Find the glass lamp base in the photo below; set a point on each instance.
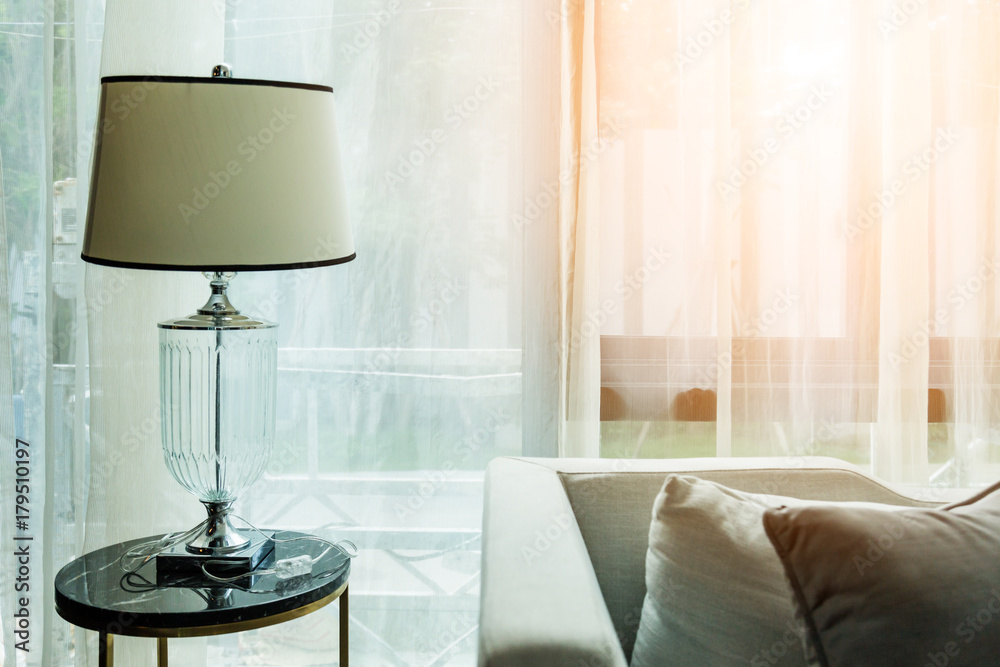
(218, 393)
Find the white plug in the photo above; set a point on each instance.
(287, 568)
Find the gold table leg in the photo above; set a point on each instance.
(161, 652)
(344, 622)
(105, 649)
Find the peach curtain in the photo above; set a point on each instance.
(795, 214)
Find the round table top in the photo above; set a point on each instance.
(94, 592)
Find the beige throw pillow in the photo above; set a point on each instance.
(716, 593)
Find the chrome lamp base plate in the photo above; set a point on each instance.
(178, 563)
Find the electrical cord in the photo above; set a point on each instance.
(150, 550)
(434, 554)
(286, 568)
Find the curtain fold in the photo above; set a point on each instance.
(580, 310)
(719, 75)
(131, 494)
(29, 403)
(8, 466)
(900, 442)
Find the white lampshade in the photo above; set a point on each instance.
(216, 174)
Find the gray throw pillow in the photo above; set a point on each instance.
(913, 588)
(716, 594)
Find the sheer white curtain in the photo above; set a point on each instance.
(129, 494)
(401, 374)
(404, 367)
(8, 468)
(798, 229)
(38, 159)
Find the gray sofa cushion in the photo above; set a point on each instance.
(915, 587)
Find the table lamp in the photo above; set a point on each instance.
(216, 175)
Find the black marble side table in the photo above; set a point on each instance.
(93, 592)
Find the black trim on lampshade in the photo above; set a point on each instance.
(165, 174)
(228, 81)
(220, 268)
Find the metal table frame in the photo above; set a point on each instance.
(106, 646)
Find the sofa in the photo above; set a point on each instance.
(565, 541)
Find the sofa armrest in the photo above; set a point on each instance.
(541, 605)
